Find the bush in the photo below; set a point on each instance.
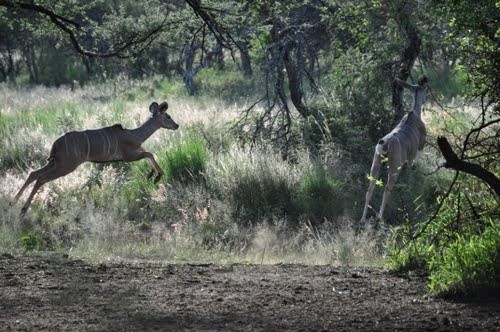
(228, 85)
(467, 265)
(260, 193)
(460, 253)
(30, 241)
(186, 162)
(319, 196)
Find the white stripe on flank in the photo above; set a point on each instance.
(116, 144)
(109, 144)
(88, 145)
(416, 134)
(399, 143)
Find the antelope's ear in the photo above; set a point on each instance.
(153, 108)
(163, 107)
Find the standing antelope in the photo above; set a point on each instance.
(100, 145)
(400, 146)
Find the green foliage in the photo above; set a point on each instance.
(186, 162)
(30, 241)
(474, 42)
(58, 67)
(319, 197)
(229, 85)
(259, 193)
(448, 82)
(257, 184)
(461, 253)
(468, 264)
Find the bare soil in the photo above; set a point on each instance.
(51, 292)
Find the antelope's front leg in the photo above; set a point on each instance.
(141, 154)
(155, 168)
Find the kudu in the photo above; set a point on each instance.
(107, 144)
(400, 146)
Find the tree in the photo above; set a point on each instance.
(136, 33)
(475, 34)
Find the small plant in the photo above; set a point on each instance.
(30, 241)
(461, 255)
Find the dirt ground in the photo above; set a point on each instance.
(52, 292)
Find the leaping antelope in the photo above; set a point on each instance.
(400, 146)
(107, 144)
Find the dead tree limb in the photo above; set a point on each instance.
(454, 162)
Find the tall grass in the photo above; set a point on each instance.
(218, 200)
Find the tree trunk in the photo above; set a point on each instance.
(407, 57)
(246, 64)
(191, 70)
(30, 59)
(189, 53)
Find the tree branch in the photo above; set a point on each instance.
(39, 9)
(453, 162)
(210, 21)
(64, 24)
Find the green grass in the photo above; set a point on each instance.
(186, 162)
(461, 256)
(467, 265)
(319, 196)
(258, 184)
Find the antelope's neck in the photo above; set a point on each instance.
(416, 107)
(417, 111)
(146, 129)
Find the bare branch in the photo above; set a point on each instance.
(452, 161)
(210, 21)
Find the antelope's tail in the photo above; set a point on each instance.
(382, 147)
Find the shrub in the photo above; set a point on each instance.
(30, 241)
(187, 161)
(460, 253)
(467, 264)
(226, 84)
(319, 196)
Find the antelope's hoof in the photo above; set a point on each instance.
(157, 178)
(23, 211)
(150, 174)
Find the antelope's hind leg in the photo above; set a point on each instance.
(48, 175)
(374, 175)
(391, 181)
(32, 177)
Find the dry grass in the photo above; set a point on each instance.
(113, 213)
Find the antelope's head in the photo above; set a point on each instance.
(159, 112)
(421, 91)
